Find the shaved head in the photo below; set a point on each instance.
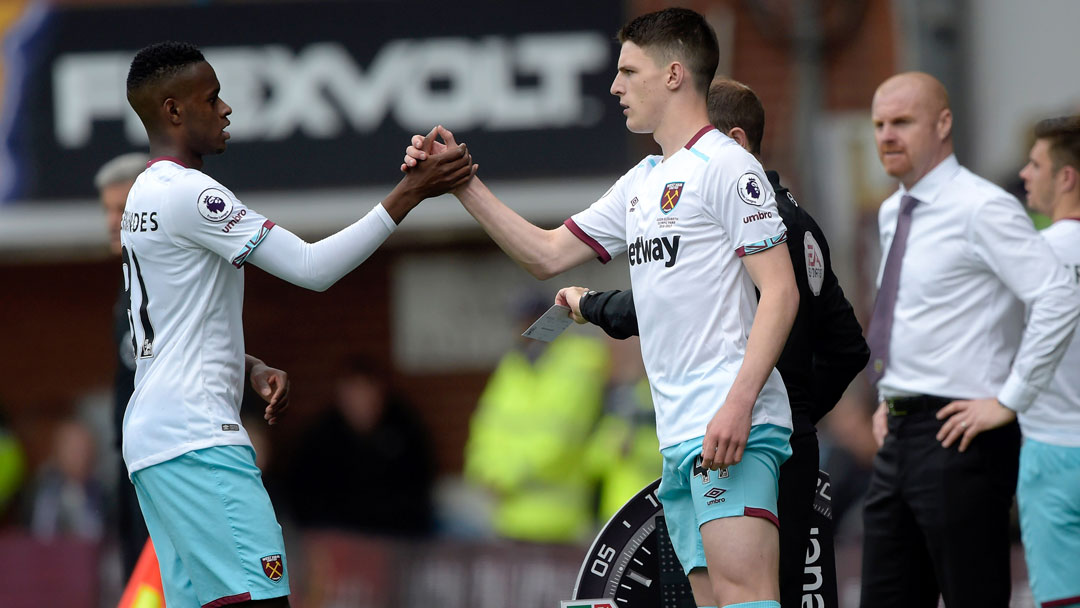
(912, 125)
(924, 87)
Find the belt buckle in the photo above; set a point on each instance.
(890, 404)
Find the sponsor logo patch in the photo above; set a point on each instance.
(230, 427)
(750, 190)
(273, 567)
(670, 197)
(214, 205)
(815, 264)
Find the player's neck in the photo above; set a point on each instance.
(681, 122)
(1066, 209)
(162, 147)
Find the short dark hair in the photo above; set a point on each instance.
(733, 104)
(678, 33)
(160, 60)
(1063, 134)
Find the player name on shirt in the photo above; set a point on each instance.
(139, 222)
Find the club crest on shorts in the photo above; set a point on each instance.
(670, 196)
(750, 189)
(273, 567)
(215, 205)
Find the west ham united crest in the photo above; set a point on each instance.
(670, 197)
(273, 567)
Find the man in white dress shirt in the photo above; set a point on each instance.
(1049, 487)
(953, 359)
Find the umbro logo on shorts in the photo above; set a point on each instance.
(716, 495)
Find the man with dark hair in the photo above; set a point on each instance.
(824, 351)
(185, 238)
(969, 324)
(1048, 493)
(700, 228)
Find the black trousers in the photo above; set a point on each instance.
(936, 521)
(798, 486)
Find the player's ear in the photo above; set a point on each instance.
(676, 75)
(740, 137)
(172, 110)
(1068, 178)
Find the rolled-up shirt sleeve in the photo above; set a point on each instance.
(1005, 239)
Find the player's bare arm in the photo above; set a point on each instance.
(727, 432)
(271, 384)
(543, 253)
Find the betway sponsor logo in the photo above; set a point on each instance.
(496, 83)
(760, 215)
(661, 249)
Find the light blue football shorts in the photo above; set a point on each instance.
(692, 495)
(1049, 499)
(217, 539)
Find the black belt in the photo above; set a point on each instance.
(902, 406)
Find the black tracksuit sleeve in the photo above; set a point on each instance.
(613, 311)
(840, 351)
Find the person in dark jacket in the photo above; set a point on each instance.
(356, 466)
(823, 353)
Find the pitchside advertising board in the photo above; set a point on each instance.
(324, 94)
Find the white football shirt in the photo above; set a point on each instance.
(1054, 417)
(684, 223)
(185, 239)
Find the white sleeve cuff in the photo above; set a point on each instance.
(1017, 395)
(384, 215)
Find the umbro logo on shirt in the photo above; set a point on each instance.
(660, 249)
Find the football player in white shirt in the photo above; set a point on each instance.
(185, 238)
(1048, 491)
(699, 225)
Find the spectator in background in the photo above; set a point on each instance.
(366, 464)
(12, 467)
(623, 453)
(528, 434)
(66, 499)
(113, 181)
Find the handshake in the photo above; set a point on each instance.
(432, 168)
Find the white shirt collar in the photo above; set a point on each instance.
(927, 188)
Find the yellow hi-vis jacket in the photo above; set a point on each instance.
(624, 453)
(528, 435)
